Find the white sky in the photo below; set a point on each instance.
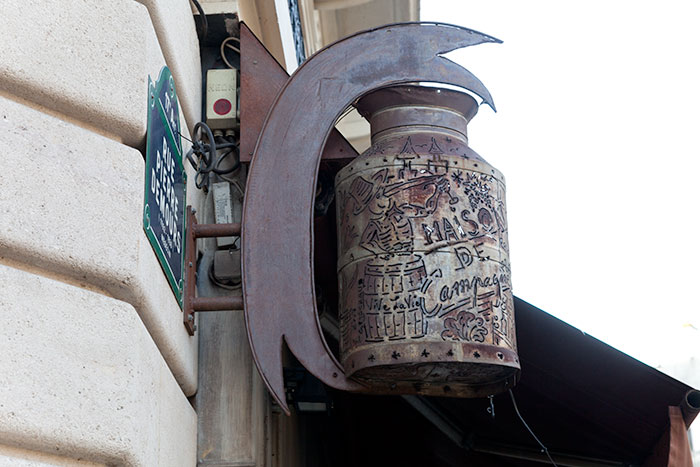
(598, 116)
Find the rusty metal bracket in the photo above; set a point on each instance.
(261, 79)
(277, 242)
(191, 303)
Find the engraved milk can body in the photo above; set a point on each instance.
(424, 277)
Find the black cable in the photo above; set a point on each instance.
(234, 151)
(232, 285)
(544, 448)
(205, 24)
(207, 161)
(226, 145)
(203, 151)
(232, 169)
(212, 141)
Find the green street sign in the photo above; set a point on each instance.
(166, 182)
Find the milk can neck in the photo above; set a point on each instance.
(416, 119)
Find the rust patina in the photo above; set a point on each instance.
(425, 298)
(277, 238)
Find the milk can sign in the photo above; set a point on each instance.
(164, 203)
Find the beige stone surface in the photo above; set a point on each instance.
(17, 457)
(80, 378)
(177, 35)
(215, 7)
(87, 60)
(71, 204)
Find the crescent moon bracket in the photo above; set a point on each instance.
(277, 227)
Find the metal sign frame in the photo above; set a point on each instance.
(280, 301)
(164, 117)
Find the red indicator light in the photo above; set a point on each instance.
(222, 106)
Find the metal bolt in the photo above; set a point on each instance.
(190, 263)
(190, 318)
(255, 62)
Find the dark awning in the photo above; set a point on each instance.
(580, 396)
(588, 403)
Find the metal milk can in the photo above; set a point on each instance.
(424, 277)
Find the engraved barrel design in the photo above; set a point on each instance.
(424, 276)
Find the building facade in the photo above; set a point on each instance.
(97, 367)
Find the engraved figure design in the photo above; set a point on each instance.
(391, 304)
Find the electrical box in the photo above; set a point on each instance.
(223, 210)
(221, 99)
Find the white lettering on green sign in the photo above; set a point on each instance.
(163, 188)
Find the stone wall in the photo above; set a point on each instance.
(95, 364)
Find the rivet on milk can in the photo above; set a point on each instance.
(425, 303)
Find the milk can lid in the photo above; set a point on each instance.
(407, 95)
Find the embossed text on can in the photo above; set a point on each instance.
(425, 297)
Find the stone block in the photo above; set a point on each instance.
(17, 457)
(177, 35)
(81, 378)
(71, 204)
(88, 61)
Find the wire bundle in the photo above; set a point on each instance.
(207, 159)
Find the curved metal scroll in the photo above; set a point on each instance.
(278, 284)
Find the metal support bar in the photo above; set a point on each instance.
(192, 304)
(690, 406)
(190, 272)
(233, 302)
(216, 230)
